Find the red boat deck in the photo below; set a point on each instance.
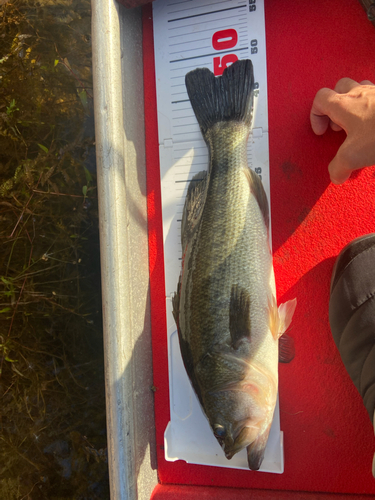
(328, 437)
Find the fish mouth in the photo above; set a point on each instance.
(244, 437)
(255, 441)
(261, 386)
(256, 450)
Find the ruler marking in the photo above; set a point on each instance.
(176, 3)
(189, 159)
(184, 168)
(205, 22)
(186, 124)
(231, 51)
(195, 156)
(187, 181)
(196, 7)
(189, 50)
(187, 149)
(184, 133)
(206, 13)
(200, 31)
(187, 67)
(204, 47)
(191, 41)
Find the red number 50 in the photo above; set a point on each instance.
(222, 40)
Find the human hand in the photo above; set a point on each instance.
(351, 107)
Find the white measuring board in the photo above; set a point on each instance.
(189, 34)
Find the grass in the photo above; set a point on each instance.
(52, 411)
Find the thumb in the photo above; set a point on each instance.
(341, 167)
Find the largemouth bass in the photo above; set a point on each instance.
(225, 305)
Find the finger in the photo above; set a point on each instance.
(320, 111)
(338, 172)
(342, 164)
(334, 126)
(367, 82)
(345, 85)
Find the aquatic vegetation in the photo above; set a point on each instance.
(52, 410)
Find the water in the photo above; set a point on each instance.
(52, 410)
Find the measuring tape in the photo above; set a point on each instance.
(189, 34)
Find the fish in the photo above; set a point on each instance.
(225, 305)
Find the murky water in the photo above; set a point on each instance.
(52, 409)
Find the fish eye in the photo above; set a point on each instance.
(219, 431)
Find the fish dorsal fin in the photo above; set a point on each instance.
(187, 355)
(256, 187)
(176, 303)
(193, 206)
(239, 315)
(280, 317)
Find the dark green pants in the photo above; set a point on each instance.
(352, 314)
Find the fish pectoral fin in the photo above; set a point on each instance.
(256, 450)
(286, 349)
(239, 315)
(280, 317)
(193, 206)
(286, 311)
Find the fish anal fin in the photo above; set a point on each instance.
(286, 349)
(256, 187)
(239, 315)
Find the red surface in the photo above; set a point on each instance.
(173, 492)
(328, 436)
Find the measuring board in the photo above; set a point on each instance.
(189, 34)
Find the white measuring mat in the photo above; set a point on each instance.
(189, 34)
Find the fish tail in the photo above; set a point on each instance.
(224, 98)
